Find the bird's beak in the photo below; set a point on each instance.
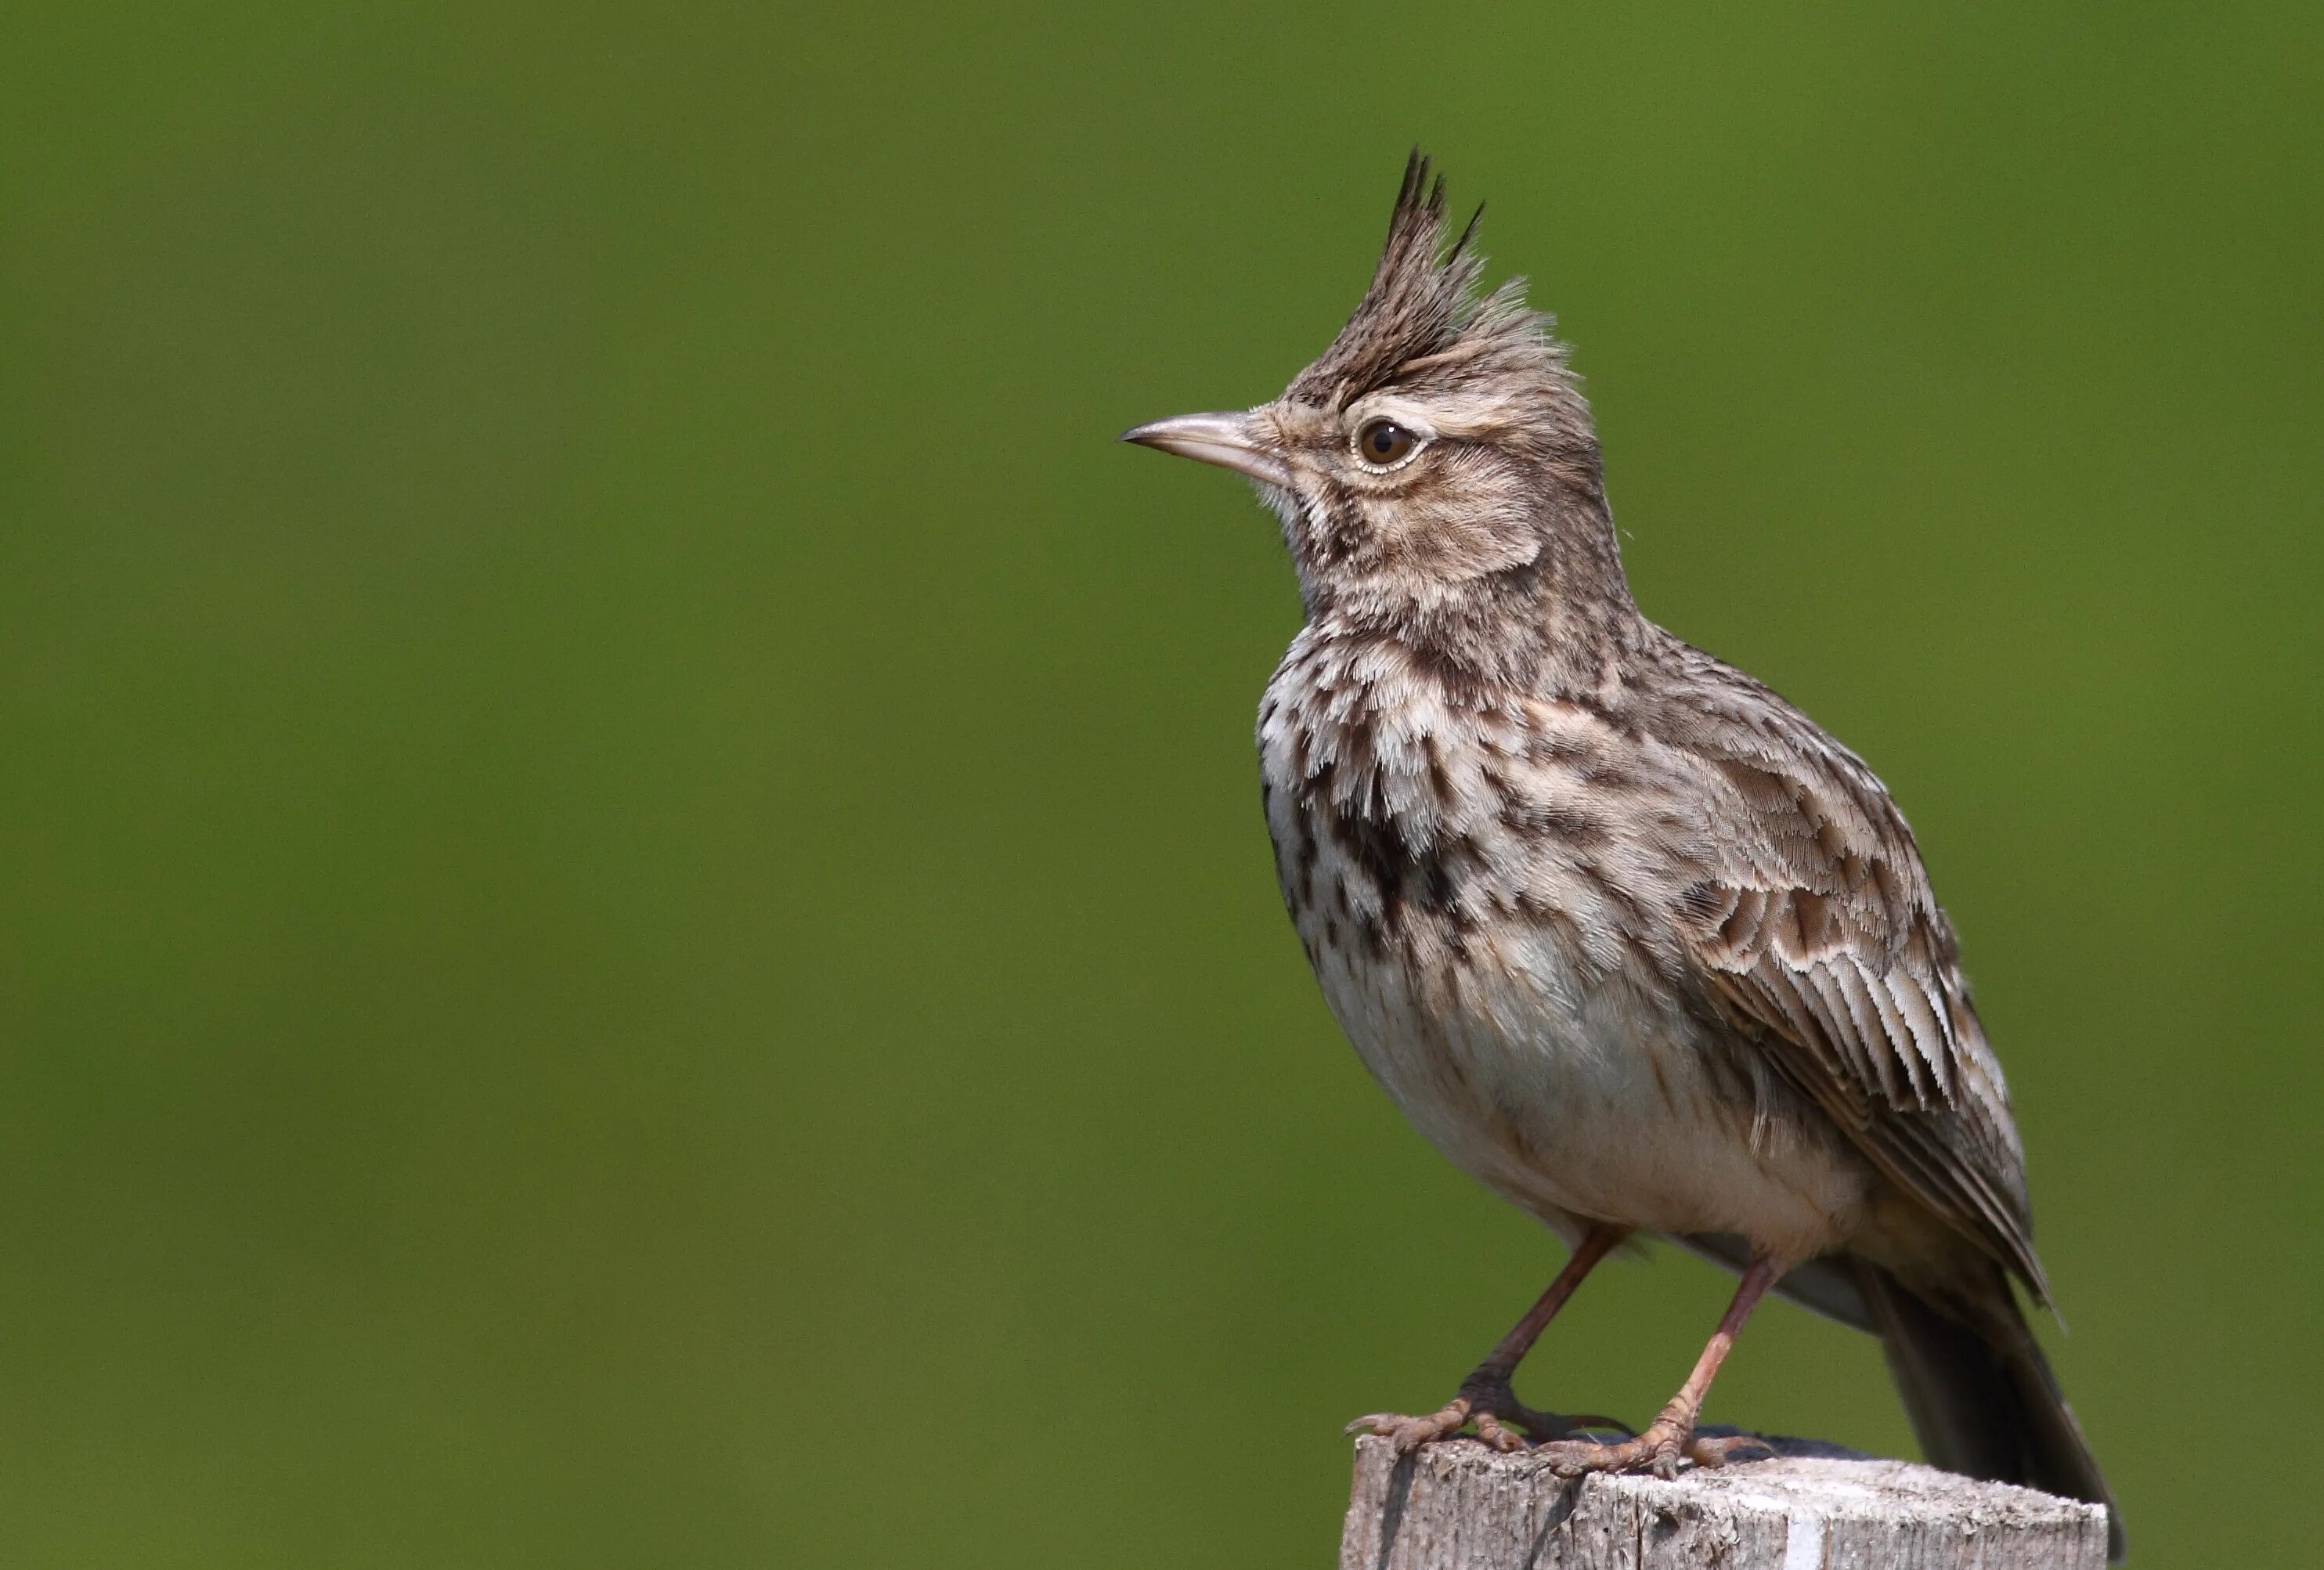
(1227, 440)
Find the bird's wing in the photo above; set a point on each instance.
(1814, 923)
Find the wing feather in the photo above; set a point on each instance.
(1816, 926)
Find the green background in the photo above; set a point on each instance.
(636, 930)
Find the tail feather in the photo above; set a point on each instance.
(1980, 1395)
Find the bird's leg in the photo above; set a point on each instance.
(1485, 1398)
(1671, 1435)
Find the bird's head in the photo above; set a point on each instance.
(1438, 459)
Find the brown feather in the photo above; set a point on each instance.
(1628, 937)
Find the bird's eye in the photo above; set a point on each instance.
(1385, 442)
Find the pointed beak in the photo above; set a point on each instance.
(1227, 440)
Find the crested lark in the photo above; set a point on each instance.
(1624, 935)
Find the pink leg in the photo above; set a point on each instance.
(1671, 1435)
(1485, 1397)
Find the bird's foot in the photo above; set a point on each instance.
(1488, 1404)
(1660, 1449)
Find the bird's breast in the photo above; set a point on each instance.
(1479, 921)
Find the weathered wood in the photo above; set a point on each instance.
(1459, 1506)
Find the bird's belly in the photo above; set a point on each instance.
(1589, 1099)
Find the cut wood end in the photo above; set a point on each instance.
(1459, 1505)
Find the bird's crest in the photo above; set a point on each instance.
(1423, 301)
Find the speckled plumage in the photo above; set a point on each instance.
(1626, 936)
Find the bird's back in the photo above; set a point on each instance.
(1811, 917)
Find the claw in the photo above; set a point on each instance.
(1662, 1449)
(1491, 1408)
(1409, 1434)
(1490, 1430)
(1718, 1450)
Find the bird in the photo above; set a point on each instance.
(1627, 936)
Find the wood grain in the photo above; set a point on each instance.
(1459, 1506)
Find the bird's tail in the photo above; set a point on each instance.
(1980, 1394)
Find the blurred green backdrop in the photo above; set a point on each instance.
(636, 926)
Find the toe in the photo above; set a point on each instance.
(1660, 1450)
(1490, 1430)
(1573, 1457)
(1719, 1450)
(1555, 1426)
(1415, 1432)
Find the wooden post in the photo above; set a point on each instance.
(1459, 1506)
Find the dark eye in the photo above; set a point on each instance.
(1384, 441)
